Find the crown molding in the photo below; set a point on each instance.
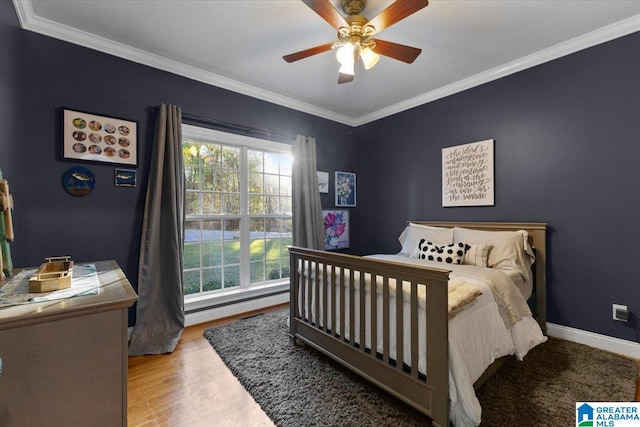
(29, 21)
(602, 35)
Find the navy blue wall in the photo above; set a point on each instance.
(11, 101)
(567, 144)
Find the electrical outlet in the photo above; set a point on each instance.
(618, 307)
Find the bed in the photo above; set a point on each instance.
(427, 331)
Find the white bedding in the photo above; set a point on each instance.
(525, 287)
(478, 334)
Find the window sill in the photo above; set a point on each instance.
(232, 296)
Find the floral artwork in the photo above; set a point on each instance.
(336, 229)
(345, 189)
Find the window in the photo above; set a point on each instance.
(238, 211)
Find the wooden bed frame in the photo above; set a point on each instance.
(430, 394)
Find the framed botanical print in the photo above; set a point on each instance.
(345, 189)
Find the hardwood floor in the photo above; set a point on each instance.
(193, 387)
(190, 387)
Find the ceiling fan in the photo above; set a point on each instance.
(354, 32)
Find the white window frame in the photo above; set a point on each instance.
(244, 291)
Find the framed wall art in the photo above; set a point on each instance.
(94, 138)
(467, 174)
(125, 177)
(336, 229)
(345, 189)
(323, 181)
(78, 181)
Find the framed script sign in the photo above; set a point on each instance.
(467, 174)
(323, 181)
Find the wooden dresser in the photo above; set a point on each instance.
(64, 362)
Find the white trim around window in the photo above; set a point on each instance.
(205, 307)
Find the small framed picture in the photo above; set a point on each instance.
(94, 138)
(125, 177)
(323, 181)
(336, 229)
(345, 189)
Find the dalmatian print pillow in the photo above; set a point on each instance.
(449, 254)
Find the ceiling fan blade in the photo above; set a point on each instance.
(327, 12)
(397, 51)
(296, 56)
(345, 78)
(398, 10)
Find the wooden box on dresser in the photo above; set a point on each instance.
(64, 362)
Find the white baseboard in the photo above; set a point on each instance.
(235, 309)
(614, 345)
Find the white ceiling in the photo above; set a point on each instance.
(238, 45)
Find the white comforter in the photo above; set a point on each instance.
(478, 335)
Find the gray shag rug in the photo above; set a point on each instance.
(299, 386)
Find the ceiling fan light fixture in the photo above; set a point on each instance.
(369, 58)
(346, 58)
(355, 30)
(348, 68)
(344, 55)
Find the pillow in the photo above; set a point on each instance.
(477, 254)
(510, 249)
(472, 237)
(413, 233)
(449, 254)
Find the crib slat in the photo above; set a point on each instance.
(294, 289)
(316, 284)
(399, 326)
(352, 308)
(363, 312)
(343, 303)
(414, 329)
(304, 291)
(333, 301)
(324, 322)
(373, 296)
(385, 320)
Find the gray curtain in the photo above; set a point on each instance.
(308, 226)
(160, 309)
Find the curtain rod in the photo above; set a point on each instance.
(233, 126)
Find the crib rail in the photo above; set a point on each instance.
(331, 293)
